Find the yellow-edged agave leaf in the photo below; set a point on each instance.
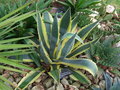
(48, 20)
(85, 64)
(44, 55)
(15, 52)
(74, 23)
(12, 40)
(81, 48)
(15, 64)
(14, 46)
(7, 81)
(12, 69)
(28, 79)
(36, 58)
(42, 32)
(54, 36)
(55, 72)
(69, 35)
(68, 47)
(64, 23)
(15, 11)
(3, 86)
(78, 75)
(83, 32)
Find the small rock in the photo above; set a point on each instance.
(77, 84)
(15, 84)
(71, 87)
(90, 77)
(16, 75)
(96, 86)
(64, 81)
(38, 87)
(29, 87)
(48, 82)
(102, 84)
(82, 88)
(101, 77)
(96, 80)
(51, 88)
(60, 87)
(18, 79)
(11, 79)
(6, 75)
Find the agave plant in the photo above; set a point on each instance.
(59, 44)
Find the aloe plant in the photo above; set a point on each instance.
(59, 44)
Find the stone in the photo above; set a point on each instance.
(51, 88)
(82, 88)
(29, 87)
(102, 84)
(11, 79)
(71, 87)
(77, 84)
(48, 82)
(64, 81)
(38, 87)
(60, 87)
(18, 79)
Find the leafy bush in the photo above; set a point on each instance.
(11, 5)
(105, 54)
(8, 49)
(82, 7)
(27, 26)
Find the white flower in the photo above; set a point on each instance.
(110, 9)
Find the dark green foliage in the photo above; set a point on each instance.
(82, 7)
(104, 53)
